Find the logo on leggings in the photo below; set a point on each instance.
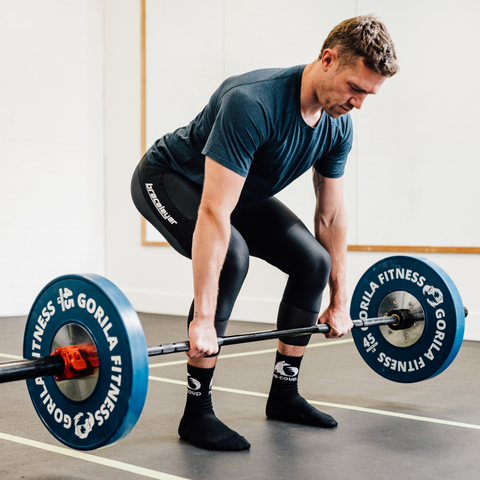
(158, 205)
(284, 371)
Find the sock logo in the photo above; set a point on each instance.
(193, 386)
(284, 371)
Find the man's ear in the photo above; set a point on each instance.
(329, 58)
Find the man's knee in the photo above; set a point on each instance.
(321, 265)
(238, 256)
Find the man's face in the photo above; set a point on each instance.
(342, 89)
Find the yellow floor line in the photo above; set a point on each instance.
(247, 354)
(334, 405)
(126, 467)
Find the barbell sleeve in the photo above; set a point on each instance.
(37, 367)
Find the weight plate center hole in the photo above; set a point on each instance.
(77, 389)
(402, 300)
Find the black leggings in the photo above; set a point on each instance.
(267, 230)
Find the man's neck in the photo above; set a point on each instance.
(309, 104)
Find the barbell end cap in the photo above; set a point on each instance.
(405, 318)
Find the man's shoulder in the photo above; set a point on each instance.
(266, 75)
(267, 80)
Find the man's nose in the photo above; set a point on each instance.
(357, 101)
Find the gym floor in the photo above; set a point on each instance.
(427, 430)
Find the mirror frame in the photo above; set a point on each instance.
(351, 248)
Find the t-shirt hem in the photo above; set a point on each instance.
(329, 175)
(225, 163)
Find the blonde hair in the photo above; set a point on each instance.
(366, 37)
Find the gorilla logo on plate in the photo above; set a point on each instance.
(435, 293)
(83, 429)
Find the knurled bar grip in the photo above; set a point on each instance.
(268, 335)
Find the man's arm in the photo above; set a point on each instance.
(331, 232)
(211, 238)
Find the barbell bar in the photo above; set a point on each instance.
(270, 335)
(409, 327)
(56, 364)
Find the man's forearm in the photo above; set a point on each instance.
(210, 244)
(332, 235)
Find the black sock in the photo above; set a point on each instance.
(199, 424)
(285, 403)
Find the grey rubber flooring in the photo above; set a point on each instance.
(428, 430)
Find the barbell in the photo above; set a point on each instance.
(86, 359)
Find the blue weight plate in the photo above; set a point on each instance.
(429, 346)
(98, 410)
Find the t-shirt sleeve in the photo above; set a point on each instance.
(237, 133)
(332, 165)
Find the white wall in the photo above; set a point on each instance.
(51, 145)
(417, 143)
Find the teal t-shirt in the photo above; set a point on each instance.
(253, 126)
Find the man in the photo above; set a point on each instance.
(209, 189)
